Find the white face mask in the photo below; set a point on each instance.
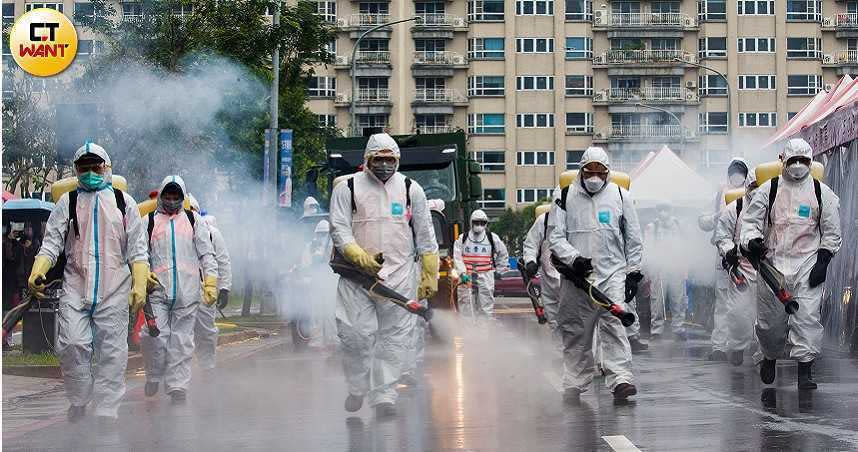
(797, 171)
(593, 184)
(479, 229)
(737, 180)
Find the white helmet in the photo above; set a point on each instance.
(323, 227)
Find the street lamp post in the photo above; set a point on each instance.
(729, 102)
(354, 73)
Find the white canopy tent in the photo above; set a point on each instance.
(665, 178)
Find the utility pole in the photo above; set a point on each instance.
(270, 181)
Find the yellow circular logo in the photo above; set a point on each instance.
(43, 42)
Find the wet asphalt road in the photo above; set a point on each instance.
(485, 389)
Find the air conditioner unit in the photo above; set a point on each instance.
(459, 22)
(342, 60)
(691, 96)
(828, 59)
(690, 84)
(828, 22)
(342, 23)
(342, 98)
(689, 58)
(599, 59)
(600, 18)
(689, 22)
(601, 96)
(459, 60)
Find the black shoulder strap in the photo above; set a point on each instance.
(351, 183)
(190, 215)
(622, 219)
(151, 225)
(120, 200)
(544, 238)
(491, 237)
(563, 195)
(73, 212)
(773, 191)
(407, 193)
(817, 188)
(738, 207)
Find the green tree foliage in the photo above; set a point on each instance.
(512, 227)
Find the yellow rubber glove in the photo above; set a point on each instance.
(139, 277)
(428, 276)
(356, 255)
(152, 282)
(40, 267)
(210, 290)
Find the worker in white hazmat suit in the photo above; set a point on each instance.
(594, 230)
(537, 260)
(180, 254)
(100, 239)
(205, 330)
(479, 252)
(389, 217)
(738, 173)
(796, 226)
(741, 302)
(314, 263)
(311, 206)
(668, 276)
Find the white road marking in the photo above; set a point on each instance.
(554, 380)
(620, 443)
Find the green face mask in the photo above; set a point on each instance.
(91, 181)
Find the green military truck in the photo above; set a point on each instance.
(441, 164)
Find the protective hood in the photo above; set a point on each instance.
(177, 180)
(309, 204)
(594, 154)
(92, 148)
(381, 144)
(479, 214)
(797, 147)
(323, 227)
(195, 206)
(752, 178)
(738, 163)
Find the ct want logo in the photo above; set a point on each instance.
(43, 42)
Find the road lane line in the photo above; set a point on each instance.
(620, 443)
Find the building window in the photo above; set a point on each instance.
(756, 7)
(579, 85)
(573, 159)
(579, 10)
(485, 49)
(535, 158)
(182, 10)
(485, 85)
(327, 120)
(331, 47)
(371, 124)
(50, 5)
(579, 123)
(8, 14)
(803, 85)
(486, 123)
(378, 8)
(83, 11)
(432, 123)
(758, 119)
(804, 48)
(711, 10)
(791, 115)
(375, 45)
(493, 198)
(534, 120)
(534, 82)
(534, 7)
(529, 195)
(579, 48)
(712, 85)
(757, 82)
(424, 8)
(485, 10)
(491, 161)
(327, 10)
(534, 45)
(804, 10)
(755, 45)
(712, 48)
(712, 123)
(322, 86)
(132, 11)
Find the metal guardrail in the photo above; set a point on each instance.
(650, 93)
(373, 95)
(440, 95)
(372, 57)
(650, 19)
(368, 20)
(622, 56)
(438, 57)
(846, 20)
(440, 20)
(645, 130)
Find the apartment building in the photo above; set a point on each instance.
(534, 82)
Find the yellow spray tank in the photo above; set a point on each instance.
(566, 177)
(544, 208)
(768, 170)
(734, 194)
(618, 177)
(68, 184)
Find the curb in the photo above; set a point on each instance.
(135, 360)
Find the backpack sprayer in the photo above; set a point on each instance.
(775, 280)
(596, 296)
(373, 285)
(534, 292)
(17, 313)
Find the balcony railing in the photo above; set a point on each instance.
(439, 20)
(672, 93)
(440, 95)
(846, 20)
(847, 57)
(368, 20)
(373, 95)
(650, 20)
(643, 56)
(645, 130)
(372, 57)
(435, 129)
(438, 58)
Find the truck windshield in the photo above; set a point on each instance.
(437, 183)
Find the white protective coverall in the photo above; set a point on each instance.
(741, 305)
(536, 250)
(720, 326)
(178, 254)
(93, 311)
(667, 281)
(589, 226)
(474, 254)
(314, 260)
(375, 334)
(205, 331)
(798, 230)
